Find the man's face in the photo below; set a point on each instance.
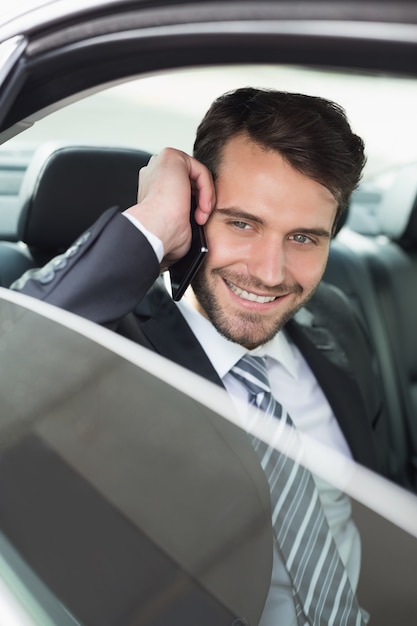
(268, 241)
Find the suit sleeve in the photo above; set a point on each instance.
(102, 276)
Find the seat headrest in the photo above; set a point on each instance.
(397, 213)
(66, 188)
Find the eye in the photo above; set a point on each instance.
(301, 238)
(240, 225)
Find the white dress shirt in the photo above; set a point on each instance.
(296, 388)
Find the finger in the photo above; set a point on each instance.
(204, 190)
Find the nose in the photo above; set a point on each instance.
(267, 262)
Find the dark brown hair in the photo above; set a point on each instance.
(311, 133)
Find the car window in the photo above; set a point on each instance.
(24, 599)
(164, 109)
(86, 548)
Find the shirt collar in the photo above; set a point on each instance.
(224, 354)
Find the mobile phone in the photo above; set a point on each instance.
(183, 271)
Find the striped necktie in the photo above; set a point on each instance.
(323, 594)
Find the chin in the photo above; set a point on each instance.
(248, 333)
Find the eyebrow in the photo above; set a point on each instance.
(239, 214)
(245, 215)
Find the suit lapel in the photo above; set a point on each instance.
(333, 371)
(167, 332)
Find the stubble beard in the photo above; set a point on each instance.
(248, 329)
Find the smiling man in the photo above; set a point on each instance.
(268, 240)
(272, 173)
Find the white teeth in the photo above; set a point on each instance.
(246, 295)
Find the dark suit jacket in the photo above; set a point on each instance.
(105, 281)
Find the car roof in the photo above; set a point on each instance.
(33, 12)
(26, 15)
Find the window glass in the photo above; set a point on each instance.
(164, 109)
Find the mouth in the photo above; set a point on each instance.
(248, 295)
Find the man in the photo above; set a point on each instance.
(272, 173)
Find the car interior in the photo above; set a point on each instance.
(373, 270)
(82, 181)
(377, 273)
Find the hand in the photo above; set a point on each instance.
(164, 199)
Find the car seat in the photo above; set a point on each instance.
(64, 190)
(379, 275)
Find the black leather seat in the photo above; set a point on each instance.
(64, 190)
(379, 275)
